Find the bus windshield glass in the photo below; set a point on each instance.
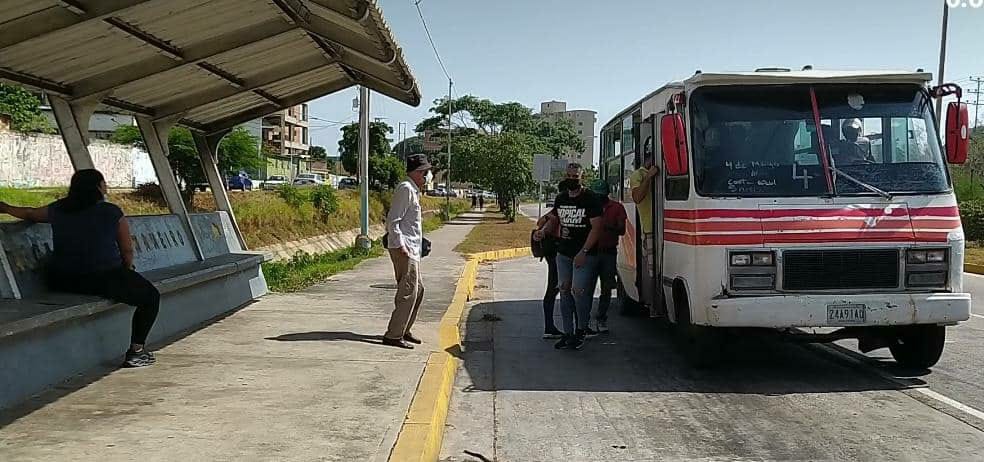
(762, 141)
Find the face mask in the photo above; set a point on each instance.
(570, 184)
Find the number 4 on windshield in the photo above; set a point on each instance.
(805, 176)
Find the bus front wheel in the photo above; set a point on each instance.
(918, 347)
(702, 345)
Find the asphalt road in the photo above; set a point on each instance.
(630, 396)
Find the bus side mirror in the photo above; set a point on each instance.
(673, 139)
(957, 133)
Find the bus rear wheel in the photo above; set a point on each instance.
(918, 347)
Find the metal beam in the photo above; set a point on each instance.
(285, 72)
(269, 97)
(37, 26)
(163, 46)
(155, 135)
(222, 74)
(332, 32)
(207, 148)
(73, 124)
(36, 82)
(73, 6)
(115, 78)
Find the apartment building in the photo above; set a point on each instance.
(584, 123)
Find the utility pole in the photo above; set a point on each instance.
(448, 179)
(939, 101)
(977, 96)
(363, 240)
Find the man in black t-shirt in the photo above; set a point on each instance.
(580, 224)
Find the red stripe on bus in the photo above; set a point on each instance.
(806, 238)
(687, 214)
(806, 225)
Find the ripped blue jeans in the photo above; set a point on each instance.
(577, 286)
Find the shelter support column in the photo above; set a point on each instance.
(155, 135)
(73, 123)
(208, 146)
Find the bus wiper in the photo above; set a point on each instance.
(869, 187)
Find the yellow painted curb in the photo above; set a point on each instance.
(972, 268)
(422, 432)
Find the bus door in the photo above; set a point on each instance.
(649, 270)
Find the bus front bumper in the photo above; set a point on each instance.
(833, 310)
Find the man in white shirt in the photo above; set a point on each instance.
(403, 224)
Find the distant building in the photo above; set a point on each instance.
(584, 124)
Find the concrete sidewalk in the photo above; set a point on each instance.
(291, 377)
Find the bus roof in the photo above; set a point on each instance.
(779, 77)
(774, 76)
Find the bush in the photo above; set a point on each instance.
(972, 217)
(325, 200)
(291, 195)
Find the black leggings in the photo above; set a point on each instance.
(550, 296)
(121, 285)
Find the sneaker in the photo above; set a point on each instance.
(552, 334)
(140, 358)
(564, 339)
(575, 343)
(602, 326)
(588, 332)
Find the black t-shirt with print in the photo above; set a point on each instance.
(575, 220)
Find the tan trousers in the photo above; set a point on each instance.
(409, 294)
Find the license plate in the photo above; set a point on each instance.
(846, 314)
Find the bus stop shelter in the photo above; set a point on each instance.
(207, 65)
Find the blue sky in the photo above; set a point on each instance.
(604, 55)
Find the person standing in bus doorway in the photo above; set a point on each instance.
(613, 225)
(641, 181)
(579, 212)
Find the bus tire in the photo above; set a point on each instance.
(918, 347)
(627, 306)
(702, 346)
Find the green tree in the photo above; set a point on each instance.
(24, 109)
(237, 151)
(385, 169)
(493, 143)
(318, 153)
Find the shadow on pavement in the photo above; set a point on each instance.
(320, 336)
(639, 355)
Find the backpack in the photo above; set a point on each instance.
(546, 247)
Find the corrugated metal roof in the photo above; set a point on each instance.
(211, 63)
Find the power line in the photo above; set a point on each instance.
(431, 39)
(977, 93)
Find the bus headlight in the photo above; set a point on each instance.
(752, 270)
(926, 268)
(752, 259)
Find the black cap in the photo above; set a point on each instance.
(417, 162)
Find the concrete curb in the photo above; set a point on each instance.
(972, 268)
(422, 432)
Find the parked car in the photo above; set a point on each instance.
(274, 182)
(439, 192)
(348, 183)
(309, 179)
(240, 182)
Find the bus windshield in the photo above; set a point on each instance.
(763, 141)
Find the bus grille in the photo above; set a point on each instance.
(840, 269)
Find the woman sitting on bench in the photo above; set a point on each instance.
(93, 255)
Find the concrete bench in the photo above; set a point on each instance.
(48, 337)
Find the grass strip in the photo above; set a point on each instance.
(496, 233)
(304, 269)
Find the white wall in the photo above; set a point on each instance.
(31, 160)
